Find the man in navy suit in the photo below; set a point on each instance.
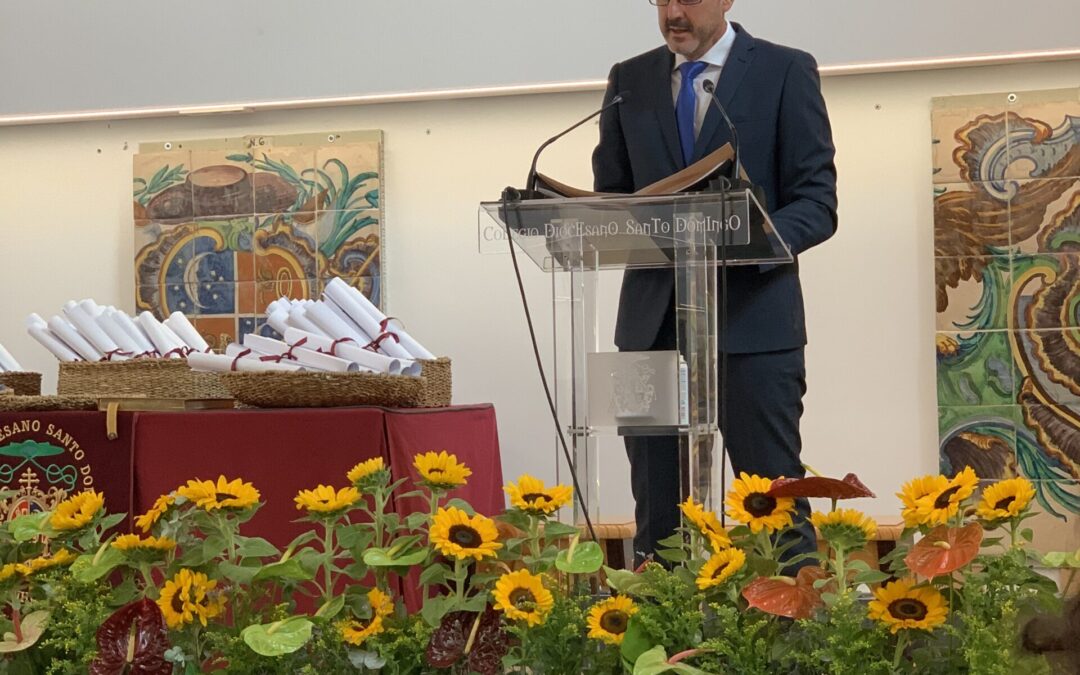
(773, 96)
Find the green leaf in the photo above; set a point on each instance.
(461, 504)
(357, 535)
(586, 559)
(89, 568)
(212, 547)
(673, 554)
(111, 520)
(436, 608)
(380, 557)
(331, 608)
(628, 583)
(288, 569)
(29, 526)
(239, 158)
(674, 541)
(654, 662)
(414, 521)
(436, 573)
(33, 626)
(365, 661)
(870, 577)
(1062, 559)
(476, 603)
(636, 641)
(858, 565)
(556, 530)
(255, 547)
(278, 638)
(238, 573)
(1027, 534)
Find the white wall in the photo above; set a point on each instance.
(66, 232)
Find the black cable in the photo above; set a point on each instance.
(547, 389)
(722, 339)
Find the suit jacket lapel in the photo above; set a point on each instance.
(738, 61)
(665, 106)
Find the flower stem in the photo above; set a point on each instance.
(841, 581)
(328, 549)
(901, 645)
(459, 582)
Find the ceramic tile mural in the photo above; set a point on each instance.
(1007, 278)
(224, 226)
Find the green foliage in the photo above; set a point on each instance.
(840, 642)
(672, 616)
(69, 644)
(739, 642)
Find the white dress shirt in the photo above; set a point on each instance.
(716, 58)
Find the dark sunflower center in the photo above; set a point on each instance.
(436, 471)
(759, 504)
(324, 500)
(522, 598)
(465, 536)
(908, 608)
(535, 497)
(942, 501)
(720, 570)
(1004, 503)
(614, 621)
(222, 496)
(177, 603)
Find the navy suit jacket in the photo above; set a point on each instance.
(773, 96)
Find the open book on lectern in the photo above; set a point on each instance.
(693, 178)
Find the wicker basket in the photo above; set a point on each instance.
(46, 403)
(152, 378)
(324, 390)
(439, 389)
(24, 384)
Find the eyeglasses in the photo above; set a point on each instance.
(665, 3)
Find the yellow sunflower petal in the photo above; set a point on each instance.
(457, 535)
(77, 511)
(609, 619)
(1005, 500)
(902, 605)
(521, 596)
(325, 500)
(749, 503)
(441, 470)
(531, 495)
(720, 567)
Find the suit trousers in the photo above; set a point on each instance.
(764, 401)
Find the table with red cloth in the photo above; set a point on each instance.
(280, 451)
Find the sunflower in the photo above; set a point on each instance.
(521, 596)
(706, 523)
(8, 572)
(455, 534)
(845, 528)
(530, 495)
(323, 500)
(381, 603)
(915, 490)
(76, 512)
(720, 567)
(150, 518)
(369, 474)
(749, 503)
(189, 596)
(608, 619)
(939, 506)
(900, 605)
(355, 631)
(1005, 499)
(132, 543)
(34, 565)
(225, 494)
(441, 470)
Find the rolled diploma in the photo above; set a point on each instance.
(349, 351)
(133, 329)
(179, 324)
(331, 324)
(8, 362)
(44, 337)
(117, 334)
(298, 319)
(90, 330)
(164, 340)
(415, 349)
(358, 333)
(341, 294)
(67, 334)
(305, 357)
(220, 363)
(278, 320)
(90, 307)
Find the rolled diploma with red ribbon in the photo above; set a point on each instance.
(124, 341)
(167, 343)
(331, 324)
(349, 300)
(67, 334)
(90, 330)
(308, 358)
(133, 329)
(179, 324)
(224, 363)
(351, 351)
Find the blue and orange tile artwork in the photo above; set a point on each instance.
(224, 226)
(1007, 279)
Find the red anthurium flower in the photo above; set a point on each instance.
(794, 598)
(819, 486)
(455, 638)
(133, 640)
(945, 550)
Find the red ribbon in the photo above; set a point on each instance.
(374, 344)
(238, 357)
(114, 352)
(333, 346)
(179, 351)
(386, 322)
(288, 355)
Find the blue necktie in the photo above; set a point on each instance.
(686, 107)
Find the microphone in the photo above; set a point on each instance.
(710, 89)
(530, 181)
